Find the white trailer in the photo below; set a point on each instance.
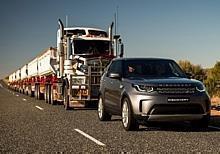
(24, 75)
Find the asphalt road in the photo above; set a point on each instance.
(32, 126)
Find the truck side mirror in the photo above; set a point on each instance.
(121, 48)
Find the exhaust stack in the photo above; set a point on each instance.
(110, 33)
(61, 48)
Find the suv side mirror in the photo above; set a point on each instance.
(115, 75)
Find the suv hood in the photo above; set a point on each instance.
(163, 81)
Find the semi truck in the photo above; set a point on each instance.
(69, 73)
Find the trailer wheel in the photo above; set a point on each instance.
(46, 93)
(32, 93)
(52, 101)
(40, 95)
(36, 92)
(66, 99)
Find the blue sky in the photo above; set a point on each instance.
(177, 29)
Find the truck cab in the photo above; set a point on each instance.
(83, 54)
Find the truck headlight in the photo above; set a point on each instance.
(143, 88)
(200, 87)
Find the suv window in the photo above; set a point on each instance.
(152, 68)
(115, 67)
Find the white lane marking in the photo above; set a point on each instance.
(39, 108)
(24, 99)
(214, 127)
(90, 137)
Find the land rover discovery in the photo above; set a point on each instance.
(142, 90)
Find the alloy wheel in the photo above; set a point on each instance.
(125, 114)
(100, 108)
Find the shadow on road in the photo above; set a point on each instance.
(215, 120)
(181, 126)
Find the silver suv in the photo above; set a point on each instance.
(142, 90)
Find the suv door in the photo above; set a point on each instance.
(113, 88)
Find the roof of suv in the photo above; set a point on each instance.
(143, 59)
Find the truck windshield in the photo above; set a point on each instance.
(90, 47)
(152, 68)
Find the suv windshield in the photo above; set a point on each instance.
(152, 68)
(91, 47)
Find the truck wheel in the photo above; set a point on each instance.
(66, 99)
(128, 121)
(102, 114)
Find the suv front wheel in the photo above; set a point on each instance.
(128, 120)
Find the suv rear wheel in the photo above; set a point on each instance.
(128, 120)
(102, 114)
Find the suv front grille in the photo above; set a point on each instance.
(175, 90)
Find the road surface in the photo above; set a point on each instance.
(28, 125)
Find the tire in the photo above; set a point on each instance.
(36, 92)
(66, 99)
(203, 123)
(46, 94)
(52, 101)
(102, 114)
(128, 121)
(32, 93)
(40, 95)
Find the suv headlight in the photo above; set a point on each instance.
(200, 87)
(143, 88)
